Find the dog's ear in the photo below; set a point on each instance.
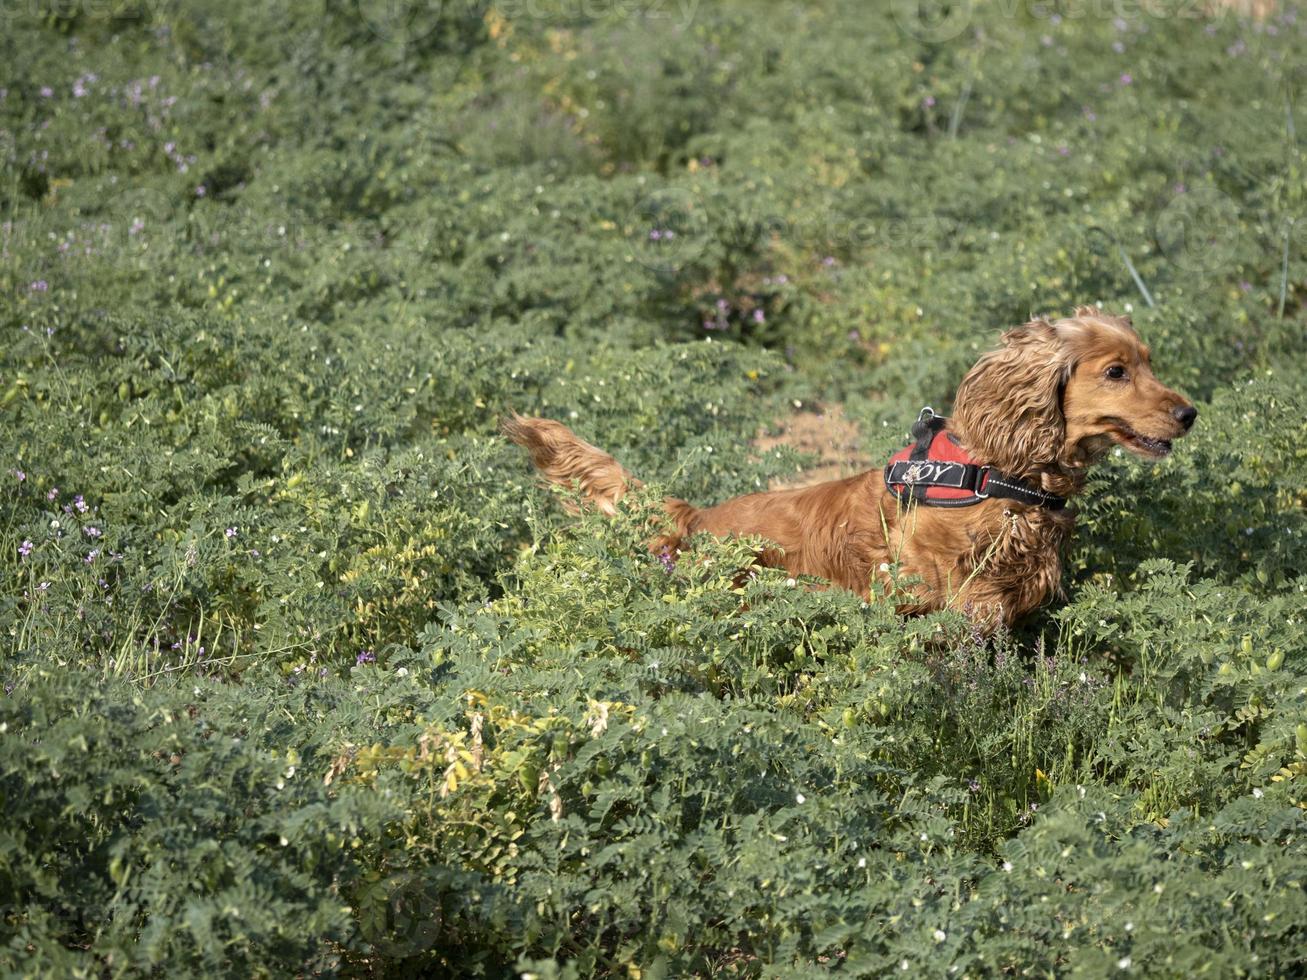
(1008, 409)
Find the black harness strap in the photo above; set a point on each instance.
(924, 430)
(1009, 487)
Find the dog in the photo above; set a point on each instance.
(973, 513)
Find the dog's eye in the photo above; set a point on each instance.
(1116, 372)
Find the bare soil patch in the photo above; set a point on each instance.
(823, 431)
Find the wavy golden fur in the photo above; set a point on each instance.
(1043, 406)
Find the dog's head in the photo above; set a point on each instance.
(1061, 394)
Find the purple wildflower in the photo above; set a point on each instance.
(93, 554)
(39, 286)
(231, 532)
(1126, 79)
(80, 504)
(200, 191)
(54, 492)
(928, 102)
(759, 316)
(665, 556)
(21, 475)
(47, 92)
(365, 657)
(92, 531)
(137, 227)
(25, 548)
(1246, 286)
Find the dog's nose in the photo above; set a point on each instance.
(1185, 416)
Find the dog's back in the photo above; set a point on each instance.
(830, 530)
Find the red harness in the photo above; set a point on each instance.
(936, 471)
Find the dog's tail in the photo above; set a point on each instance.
(565, 458)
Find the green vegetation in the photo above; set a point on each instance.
(304, 675)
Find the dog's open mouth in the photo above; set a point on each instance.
(1139, 443)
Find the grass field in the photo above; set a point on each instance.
(305, 675)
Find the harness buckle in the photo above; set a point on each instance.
(926, 414)
(982, 479)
